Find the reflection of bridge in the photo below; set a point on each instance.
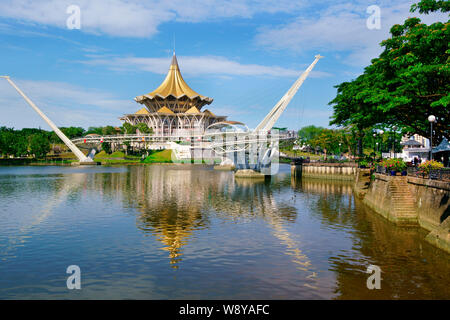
(138, 138)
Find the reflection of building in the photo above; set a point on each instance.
(174, 109)
(172, 215)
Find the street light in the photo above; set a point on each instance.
(431, 119)
(374, 143)
(393, 142)
(381, 143)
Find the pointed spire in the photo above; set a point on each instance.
(174, 61)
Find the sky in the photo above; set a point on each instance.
(245, 54)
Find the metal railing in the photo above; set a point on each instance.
(436, 174)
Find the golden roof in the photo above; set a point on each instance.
(207, 111)
(142, 111)
(165, 110)
(173, 85)
(193, 110)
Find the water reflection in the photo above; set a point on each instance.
(174, 202)
(192, 232)
(37, 216)
(411, 268)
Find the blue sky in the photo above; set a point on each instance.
(243, 53)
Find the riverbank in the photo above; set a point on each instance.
(410, 201)
(403, 200)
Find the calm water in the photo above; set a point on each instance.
(176, 232)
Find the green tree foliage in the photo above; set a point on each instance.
(96, 130)
(20, 146)
(307, 133)
(39, 145)
(108, 130)
(326, 140)
(129, 128)
(143, 128)
(30, 141)
(407, 82)
(70, 132)
(6, 141)
(106, 146)
(427, 6)
(15, 142)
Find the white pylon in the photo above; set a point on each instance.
(80, 155)
(272, 117)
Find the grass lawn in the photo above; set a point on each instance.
(102, 155)
(292, 153)
(117, 157)
(164, 156)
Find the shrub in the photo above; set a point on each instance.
(363, 163)
(394, 164)
(429, 165)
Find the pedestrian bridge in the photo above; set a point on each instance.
(229, 140)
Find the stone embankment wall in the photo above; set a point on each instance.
(410, 201)
(329, 171)
(406, 201)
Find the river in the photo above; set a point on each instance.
(189, 232)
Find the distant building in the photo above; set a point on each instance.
(174, 109)
(415, 146)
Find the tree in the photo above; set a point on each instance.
(427, 6)
(106, 146)
(310, 132)
(129, 128)
(108, 131)
(20, 146)
(7, 138)
(96, 130)
(39, 145)
(143, 128)
(328, 140)
(70, 132)
(408, 81)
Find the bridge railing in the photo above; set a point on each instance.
(178, 137)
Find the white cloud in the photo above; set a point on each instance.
(196, 65)
(340, 28)
(136, 18)
(65, 104)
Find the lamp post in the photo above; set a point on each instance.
(381, 143)
(374, 145)
(431, 119)
(394, 128)
(295, 148)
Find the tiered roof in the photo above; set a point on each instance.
(174, 86)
